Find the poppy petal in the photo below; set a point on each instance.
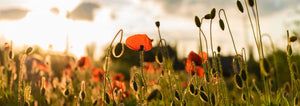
(195, 58)
(135, 42)
(204, 56)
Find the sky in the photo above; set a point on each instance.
(45, 22)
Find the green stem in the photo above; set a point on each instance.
(142, 72)
(290, 67)
(258, 28)
(228, 29)
(274, 60)
(252, 27)
(245, 66)
(106, 72)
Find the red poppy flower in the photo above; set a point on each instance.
(197, 59)
(118, 77)
(84, 62)
(97, 74)
(44, 67)
(148, 67)
(119, 85)
(135, 42)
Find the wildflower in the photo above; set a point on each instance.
(84, 62)
(44, 67)
(118, 77)
(197, 59)
(139, 42)
(98, 74)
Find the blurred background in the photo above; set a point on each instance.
(73, 24)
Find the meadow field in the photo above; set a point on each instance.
(137, 71)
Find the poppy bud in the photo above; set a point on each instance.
(67, 92)
(238, 81)
(251, 3)
(95, 103)
(240, 6)
(203, 97)
(118, 50)
(207, 16)
(154, 95)
(29, 50)
(296, 101)
(213, 13)
(201, 88)
(197, 21)
(43, 91)
(243, 74)
(106, 97)
(192, 89)
(177, 95)
(293, 38)
(219, 49)
(213, 99)
(221, 24)
(135, 87)
(243, 97)
(157, 23)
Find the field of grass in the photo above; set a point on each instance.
(135, 72)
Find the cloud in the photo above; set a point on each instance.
(13, 14)
(84, 11)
